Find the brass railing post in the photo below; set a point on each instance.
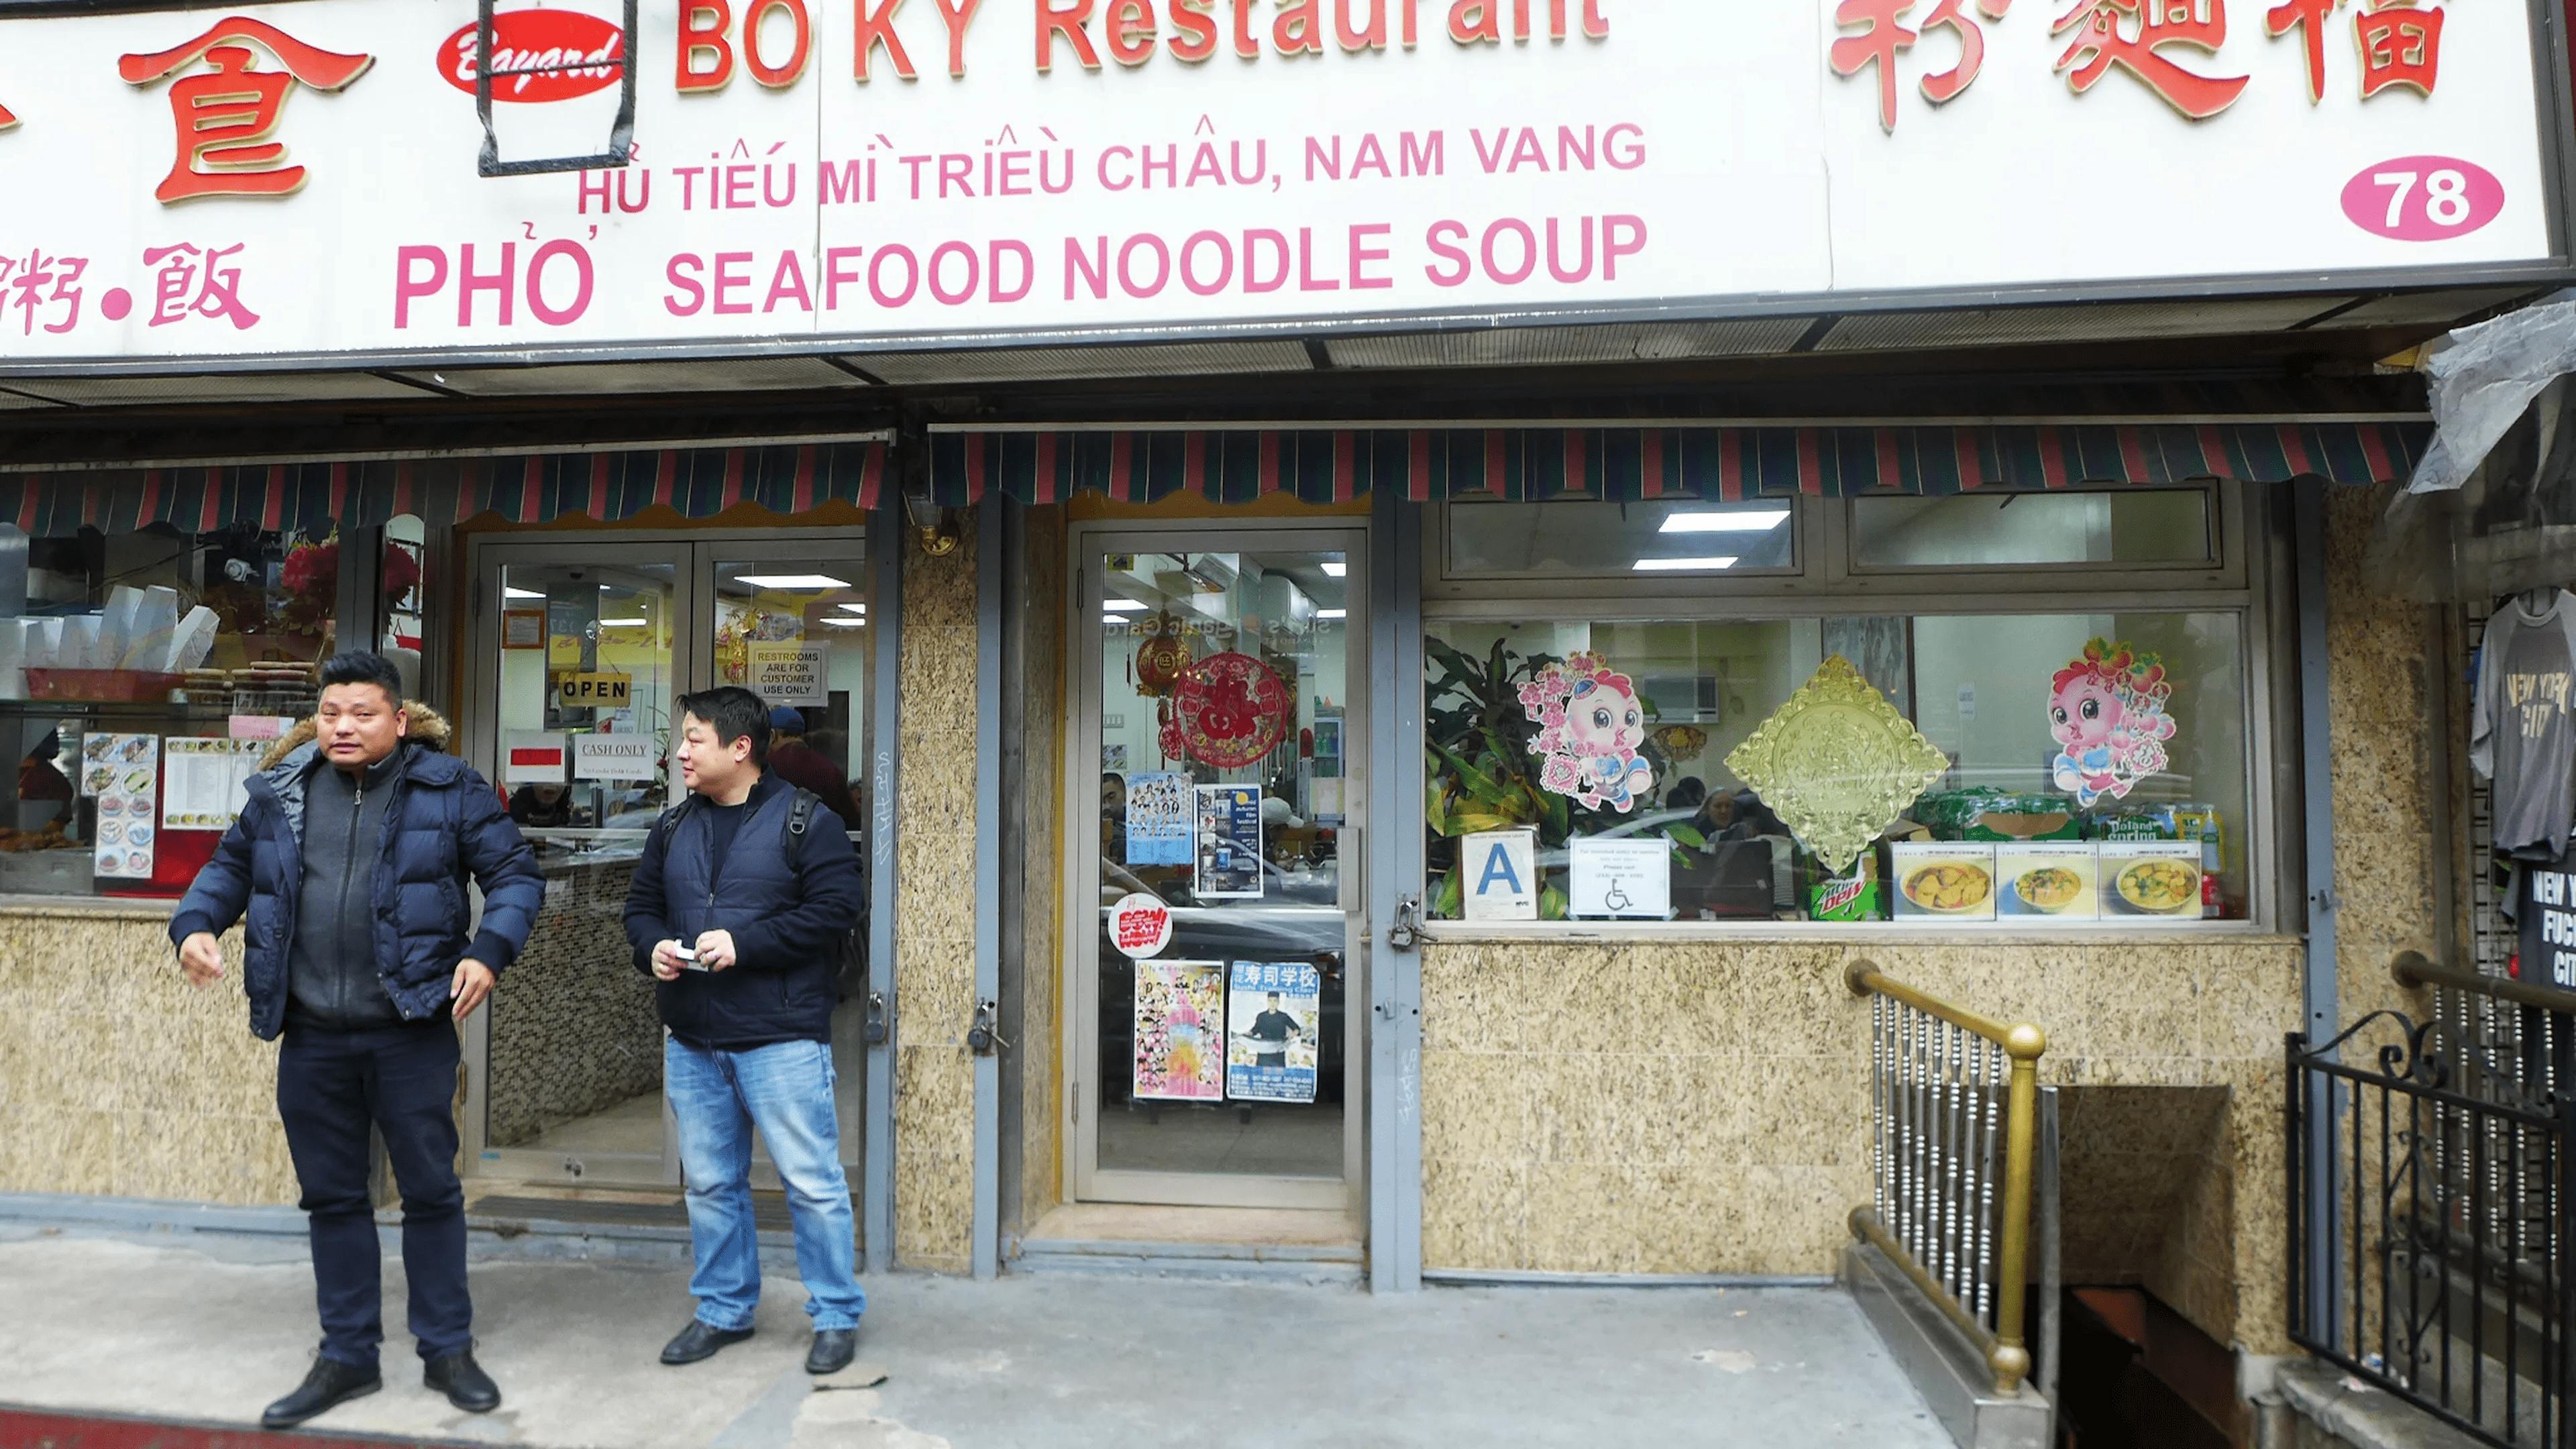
(2011, 1357)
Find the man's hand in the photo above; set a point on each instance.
(715, 950)
(473, 982)
(666, 961)
(202, 958)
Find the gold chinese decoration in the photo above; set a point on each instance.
(1837, 762)
(1681, 742)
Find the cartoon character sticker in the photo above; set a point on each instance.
(1593, 723)
(2107, 711)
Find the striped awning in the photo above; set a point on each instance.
(1529, 464)
(311, 498)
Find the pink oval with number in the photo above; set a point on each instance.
(2423, 198)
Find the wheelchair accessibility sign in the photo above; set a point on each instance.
(1499, 869)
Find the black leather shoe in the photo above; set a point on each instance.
(698, 1341)
(330, 1384)
(833, 1349)
(459, 1377)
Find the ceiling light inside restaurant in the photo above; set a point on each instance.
(1335, 569)
(841, 623)
(856, 608)
(637, 622)
(1332, 613)
(792, 581)
(510, 593)
(1745, 520)
(1122, 606)
(1684, 565)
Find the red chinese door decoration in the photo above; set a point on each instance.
(1228, 710)
(2101, 42)
(224, 117)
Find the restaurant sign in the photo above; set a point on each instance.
(300, 179)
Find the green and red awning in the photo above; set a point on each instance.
(1628, 464)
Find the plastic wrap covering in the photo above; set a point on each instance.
(2485, 379)
(2511, 525)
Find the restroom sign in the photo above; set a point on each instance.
(594, 691)
(790, 674)
(1499, 872)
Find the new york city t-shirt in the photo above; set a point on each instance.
(2522, 733)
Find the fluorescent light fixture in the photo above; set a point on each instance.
(1337, 570)
(1749, 520)
(1122, 606)
(638, 622)
(841, 623)
(856, 608)
(1332, 613)
(791, 581)
(1684, 565)
(510, 593)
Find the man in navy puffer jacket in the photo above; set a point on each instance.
(348, 867)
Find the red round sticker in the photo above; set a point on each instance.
(1228, 711)
(2423, 198)
(569, 51)
(1140, 926)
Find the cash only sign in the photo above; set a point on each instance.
(300, 180)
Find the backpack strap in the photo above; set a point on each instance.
(671, 819)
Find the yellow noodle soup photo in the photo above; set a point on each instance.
(1949, 886)
(2049, 888)
(2160, 887)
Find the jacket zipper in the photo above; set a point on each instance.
(348, 877)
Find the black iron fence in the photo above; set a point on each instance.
(2428, 1225)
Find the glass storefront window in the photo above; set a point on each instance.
(2133, 526)
(2031, 819)
(142, 676)
(1649, 539)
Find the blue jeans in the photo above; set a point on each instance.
(785, 1090)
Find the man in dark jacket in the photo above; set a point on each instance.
(737, 909)
(348, 867)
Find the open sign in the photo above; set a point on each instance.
(594, 691)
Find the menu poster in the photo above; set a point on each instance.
(206, 781)
(124, 772)
(2048, 880)
(1229, 820)
(1158, 818)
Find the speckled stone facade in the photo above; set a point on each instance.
(934, 963)
(1042, 935)
(119, 1079)
(574, 1029)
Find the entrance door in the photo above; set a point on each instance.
(1223, 718)
(582, 644)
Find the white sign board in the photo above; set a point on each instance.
(534, 757)
(1498, 876)
(296, 179)
(791, 674)
(1620, 879)
(615, 757)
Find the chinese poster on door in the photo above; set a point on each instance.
(1273, 1031)
(1229, 843)
(1180, 1026)
(1158, 818)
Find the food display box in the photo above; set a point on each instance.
(2060, 881)
(1941, 880)
(2146, 880)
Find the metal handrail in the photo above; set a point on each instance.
(2005, 1347)
(2416, 970)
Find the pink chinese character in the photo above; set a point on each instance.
(194, 282)
(25, 283)
(2101, 43)
(1880, 38)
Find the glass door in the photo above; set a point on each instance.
(581, 651)
(1217, 889)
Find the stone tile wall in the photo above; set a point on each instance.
(574, 1029)
(1042, 648)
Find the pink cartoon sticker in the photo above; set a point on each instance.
(2107, 711)
(1591, 725)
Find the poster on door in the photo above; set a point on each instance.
(1498, 875)
(1229, 829)
(1158, 818)
(1274, 1012)
(1180, 1031)
(791, 673)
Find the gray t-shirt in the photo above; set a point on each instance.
(2522, 733)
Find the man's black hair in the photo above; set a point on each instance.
(360, 666)
(734, 713)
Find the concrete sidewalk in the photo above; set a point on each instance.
(210, 1328)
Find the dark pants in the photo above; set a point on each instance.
(330, 1087)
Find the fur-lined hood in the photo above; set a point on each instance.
(428, 726)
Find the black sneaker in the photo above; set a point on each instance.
(698, 1342)
(833, 1349)
(330, 1384)
(459, 1377)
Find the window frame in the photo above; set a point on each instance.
(2246, 580)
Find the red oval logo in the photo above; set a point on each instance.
(568, 51)
(2423, 198)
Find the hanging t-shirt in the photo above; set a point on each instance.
(2522, 732)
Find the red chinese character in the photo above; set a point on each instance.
(2400, 46)
(1881, 37)
(23, 283)
(2101, 44)
(225, 116)
(8, 118)
(2309, 17)
(193, 282)
(1944, 85)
